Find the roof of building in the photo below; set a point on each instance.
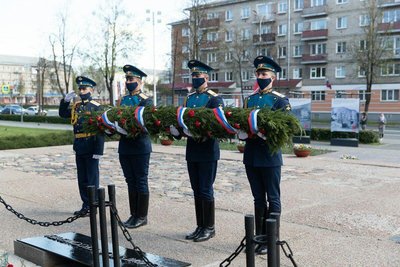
(18, 60)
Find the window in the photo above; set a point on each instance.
(228, 36)
(282, 74)
(361, 95)
(317, 3)
(263, 52)
(297, 73)
(318, 48)
(228, 56)
(297, 51)
(212, 36)
(318, 95)
(361, 72)
(363, 45)
(390, 95)
(184, 64)
(282, 6)
(245, 34)
(341, 23)
(318, 24)
(228, 15)
(298, 4)
(265, 10)
(317, 73)
(185, 48)
(229, 76)
(282, 29)
(340, 72)
(181, 100)
(186, 79)
(265, 29)
(392, 45)
(185, 31)
(339, 93)
(391, 69)
(282, 51)
(245, 75)
(211, 57)
(245, 13)
(364, 20)
(298, 27)
(391, 16)
(212, 15)
(341, 47)
(214, 77)
(342, 1)
(245, 55)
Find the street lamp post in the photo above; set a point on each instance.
(148, 11)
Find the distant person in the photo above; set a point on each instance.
(134, 153)
(88, 147)
(363, 121)
(381, 126)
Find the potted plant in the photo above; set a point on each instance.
(302, 150)
(165, 139)
(240, 146)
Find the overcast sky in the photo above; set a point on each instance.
(26, 25)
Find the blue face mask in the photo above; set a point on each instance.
(197, 82)
(131, 86)
(263, 83)
(85, 96)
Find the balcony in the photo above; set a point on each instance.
(316, 11)
(391, 27)
(209, 23)
(209, 45)
(312, 35)
(388, 3)
(314, 59)
(264, 19)
(266, 38)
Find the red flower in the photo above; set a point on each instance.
(167, 130)
(228, 114)
(119, 112)
(10, 265)
(153, 109)
(236, 125)
(123, 121)
(262, 131)
(197, 124)
(209, 133)
(90, 121)
(157, 123)
(98, 118)
(191, 113)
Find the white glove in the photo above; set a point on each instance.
(174, 131)
(242, 135)
(186, 131)
(96, 156)
(69, 97)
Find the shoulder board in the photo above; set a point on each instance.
(253, 93)
(143, 96)
(210, 92)
(95, 103)
(278, 94)
(192, 93)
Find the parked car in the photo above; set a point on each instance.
(1, 108)
(34, 110)
(14, 110)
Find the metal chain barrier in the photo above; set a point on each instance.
(239, 249)
(128, 237)
(35, 222)
(288, 253)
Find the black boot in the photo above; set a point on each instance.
(199, 219)
(261, 227)
(142, 209)
(133, 209)
(208, 231)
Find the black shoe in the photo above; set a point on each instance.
(137, 222)
(261, 250)
(83, 212)
(194, 234)
(130, 222)
(205, 234)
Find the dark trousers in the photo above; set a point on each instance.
(88, 174)
(265, 186)
(136, 171)
(202, 177)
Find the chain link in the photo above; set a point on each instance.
(128, 237)
(234, 254)
(288, 253)
(35, 222)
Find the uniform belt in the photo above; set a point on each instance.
(84, 135)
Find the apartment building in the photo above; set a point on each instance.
(312, 40)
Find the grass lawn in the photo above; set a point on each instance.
(6, 131)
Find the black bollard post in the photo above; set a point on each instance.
(103, 227)
(114, 226)
(93, 225)
(249, 227)
(277, 217)
(271, 243)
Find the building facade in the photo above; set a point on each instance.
(312, 40)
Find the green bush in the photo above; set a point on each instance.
(27, 118)
(25, 141)
(323, 134)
